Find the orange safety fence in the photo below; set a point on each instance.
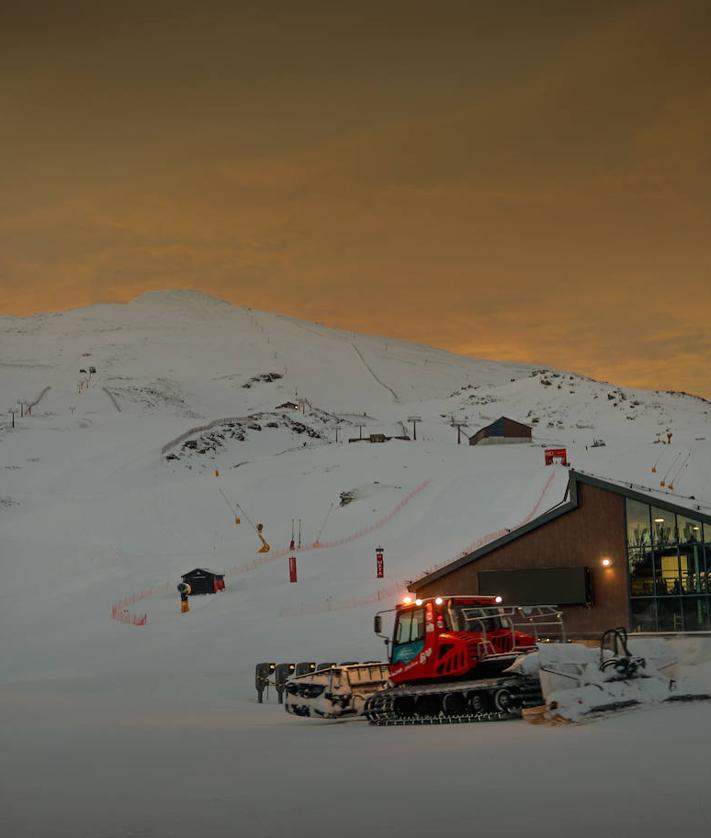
(396, 588)
(338, 542)
(119, 610)
(123, 615)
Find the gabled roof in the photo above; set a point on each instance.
(681, 505)
(203, 570)
(508, 419)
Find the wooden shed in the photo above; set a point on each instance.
(204, 581)
(503, 430)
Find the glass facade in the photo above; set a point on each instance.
(669, 562)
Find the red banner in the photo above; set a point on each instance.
(379, 563)
(551, 454)
(292, 569)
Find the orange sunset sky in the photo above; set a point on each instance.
(518, 180)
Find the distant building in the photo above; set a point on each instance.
(503, 430)
(287, 406)
(377, 438)
(204, 581)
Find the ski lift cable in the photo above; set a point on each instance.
(237, 506)
(251, 522)
(684, 463)
(227, 501)
(677, 473)
(666, 473)
(656, 462)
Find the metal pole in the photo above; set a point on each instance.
(414, 420)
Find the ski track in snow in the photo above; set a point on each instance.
(371, 371)
(39, 398)
(113, 399)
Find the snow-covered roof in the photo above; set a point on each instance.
(683, 505)
(203, 570)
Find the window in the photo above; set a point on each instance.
(644, 614)
(410, 626)
(663, 528)
(669, 562)
(668, 577)
(696, 613)
(404, 625)
(690, 531)
(474, 618)
(638, 530)
(669, 614)
(641, 572)
(409, 635)
(691, 564)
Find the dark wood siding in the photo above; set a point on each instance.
(502, 427)
(582, 537)
(516, 429)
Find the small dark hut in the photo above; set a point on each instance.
(203, 581)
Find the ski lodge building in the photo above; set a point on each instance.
(609, 555)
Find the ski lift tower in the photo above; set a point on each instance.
(459, 424)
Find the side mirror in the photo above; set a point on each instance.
(378, 624)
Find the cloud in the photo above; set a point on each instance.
(545, 197)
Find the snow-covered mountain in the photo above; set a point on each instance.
(108, 485)
(153, 424)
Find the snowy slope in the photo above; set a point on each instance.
(108, 493)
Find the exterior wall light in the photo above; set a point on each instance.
(606, 562)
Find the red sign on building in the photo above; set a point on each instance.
(292, 569)
(379, 563)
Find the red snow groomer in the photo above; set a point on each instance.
(448, 657)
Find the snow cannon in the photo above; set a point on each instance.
(265, 548)
(184, 590)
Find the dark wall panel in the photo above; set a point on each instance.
(550, 586)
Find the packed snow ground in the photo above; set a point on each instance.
(111, 729)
